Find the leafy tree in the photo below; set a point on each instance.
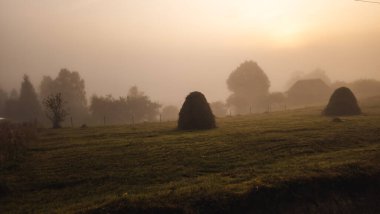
(250, 88)
(109, 110)
(26, 106)
(141, 108)
(29, 105)
(136, 107)
(72, 87)
(99, 107)
(55, 110)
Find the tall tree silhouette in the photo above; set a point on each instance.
(29, 105)
(26, 106)
(250, 88)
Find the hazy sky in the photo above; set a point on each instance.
(172, 47)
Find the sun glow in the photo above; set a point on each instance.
(287, 35)
(278, 23)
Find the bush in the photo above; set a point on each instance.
(196, 113)
(342, 103)
(14, 138)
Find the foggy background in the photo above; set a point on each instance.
(169, 48)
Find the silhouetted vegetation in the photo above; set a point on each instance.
(248, 82)
(26, 106)
(108, 110)
(13, 139)
(196, 113)
(250, 88)
(308, 92)
(55, 109)
(128, 133)
(141, 107)
(72, 87)
(29, 105)
(342, 103)
(135, 108)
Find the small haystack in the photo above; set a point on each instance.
(196, 113)
(342, 103)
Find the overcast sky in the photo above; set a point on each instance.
(169, 48)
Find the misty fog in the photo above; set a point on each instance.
(170, 48)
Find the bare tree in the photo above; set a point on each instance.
(72, 87)
(55, 110)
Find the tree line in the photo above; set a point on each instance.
(248, 83)
(249, 86)
(65, 96)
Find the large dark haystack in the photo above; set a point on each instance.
(342, 103)
(196, 113)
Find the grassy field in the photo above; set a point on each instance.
(105, 169)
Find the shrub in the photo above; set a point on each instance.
(196, 113)
(342, 103)
(14, 138)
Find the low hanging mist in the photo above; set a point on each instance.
(248, 85)
(103, 56)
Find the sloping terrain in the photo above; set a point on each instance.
(292, 161)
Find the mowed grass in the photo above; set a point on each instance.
(75, 170)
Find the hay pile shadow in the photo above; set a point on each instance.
(342, 103)
(196, 113)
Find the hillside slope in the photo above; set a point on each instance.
(265, 162)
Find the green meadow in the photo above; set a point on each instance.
(153, 167)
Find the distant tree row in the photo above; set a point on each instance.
(68, 90)
(134, 108)
(21, 107)
(249, 86)
(248, 83)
